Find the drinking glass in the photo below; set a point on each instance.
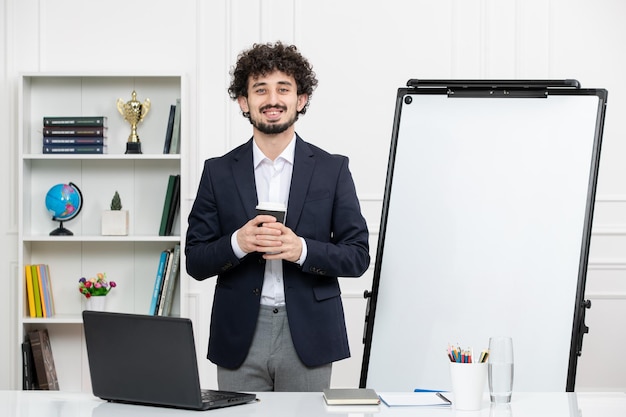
(500, 372)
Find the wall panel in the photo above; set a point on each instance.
(121, 36)
(468, 34)
(599, 367)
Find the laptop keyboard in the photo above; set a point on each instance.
(210, 396)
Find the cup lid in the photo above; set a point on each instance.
(271, 206)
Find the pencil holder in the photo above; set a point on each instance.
(468, 385)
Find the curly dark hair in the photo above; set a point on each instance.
(263, 59)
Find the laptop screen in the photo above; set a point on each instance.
(144, 359)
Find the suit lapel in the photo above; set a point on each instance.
(243, 175)
(300, 179)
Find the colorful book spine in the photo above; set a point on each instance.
(175, 144)
(36, 294)
(32, 311)
(68, 149)
(169, 192)
(73, 140)
(29, 378)
(170, 130)
(166, 281)
(42, 290)
(51, 373)
(100, 121)
(49, 284)
(47, 291)
(43, 359)
(34, 338)
(168, 298)
(173, 206)
(158, 282)
(66, 131)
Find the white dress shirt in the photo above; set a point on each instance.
(273, 182)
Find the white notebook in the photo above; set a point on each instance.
(393, 399)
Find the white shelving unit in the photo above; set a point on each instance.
(140, 179)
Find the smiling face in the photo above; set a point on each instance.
(273, 103)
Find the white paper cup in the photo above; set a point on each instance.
(468, 385)
(273, 209)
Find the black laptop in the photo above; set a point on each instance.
(148, 360)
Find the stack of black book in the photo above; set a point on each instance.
(75, 135)
(39, 371)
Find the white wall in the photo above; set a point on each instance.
(362, 52)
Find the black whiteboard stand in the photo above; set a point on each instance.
(485, 230)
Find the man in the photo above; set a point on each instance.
(277, 321)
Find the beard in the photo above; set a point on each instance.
(273, 128)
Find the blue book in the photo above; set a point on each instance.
(45, 286)
(158, 282)
(169, 285)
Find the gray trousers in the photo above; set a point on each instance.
(272, 363)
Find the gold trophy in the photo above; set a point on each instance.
(133, 112)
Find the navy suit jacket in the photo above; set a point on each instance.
(323, 209)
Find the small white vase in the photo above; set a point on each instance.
(115, 223)
(97, 303)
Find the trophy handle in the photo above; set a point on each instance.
(120, 106)
(145, 108)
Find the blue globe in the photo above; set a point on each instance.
(64, 202)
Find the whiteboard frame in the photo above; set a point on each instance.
(517, 90)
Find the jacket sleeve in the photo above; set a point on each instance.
(208, 250)
(337, 245)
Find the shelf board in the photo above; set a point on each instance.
(98, 238)
(56, 319)
(104, 74)
(111, 157)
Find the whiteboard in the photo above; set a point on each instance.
(485, 232)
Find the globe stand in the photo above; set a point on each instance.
(61, 231)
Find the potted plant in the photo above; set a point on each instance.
(115, 221)
(95, 289)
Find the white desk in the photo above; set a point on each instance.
(54, 403)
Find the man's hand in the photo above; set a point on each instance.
(264, 234)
